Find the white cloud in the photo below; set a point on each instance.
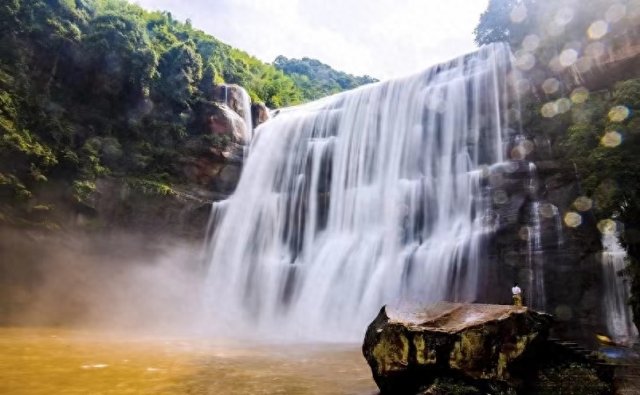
(382, 38)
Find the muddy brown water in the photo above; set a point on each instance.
(61, 361)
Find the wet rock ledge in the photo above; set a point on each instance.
(414, 349)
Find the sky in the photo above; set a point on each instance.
(381, 38)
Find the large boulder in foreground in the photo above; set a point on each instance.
(409, 347)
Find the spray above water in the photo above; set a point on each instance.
(372, 196)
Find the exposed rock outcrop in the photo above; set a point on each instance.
(213, 173)
(216, 151)
(409, 348)
(259, 114)
(219, 120)
(620, 61)
(139, 206)
(557, 265)
(234, 96)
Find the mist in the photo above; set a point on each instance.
(111, 281)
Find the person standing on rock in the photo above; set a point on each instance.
(517, 295)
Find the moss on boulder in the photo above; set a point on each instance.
(410, 347)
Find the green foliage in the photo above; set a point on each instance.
(512, 20)
(121, 57)
(495, 22)
(448, 386)
(10, 183)
(569, 379)
(603, 149)
(609, 168)
(218, 141)
(317, 79)
(93, 88)
(180, 70)
(23, 142)
(151, 187)
(83, 190)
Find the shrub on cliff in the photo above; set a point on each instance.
(90, 88)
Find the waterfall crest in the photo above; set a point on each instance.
(368, 197)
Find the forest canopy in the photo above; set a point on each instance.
(317, 79)
(93, 88)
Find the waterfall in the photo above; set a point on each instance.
(246, 113)
(245, 108)
(536, 289)
(616, 296)
(557, 224)
(368, 197)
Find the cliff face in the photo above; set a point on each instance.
(557, 265)
(620, 61)
(555, 262)
(535, 240)
(209, 163)
(547, 236)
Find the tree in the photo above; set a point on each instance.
(316, 79)
(8, 16)
(555, 23)
(180, 70)
(506, 21)
(604, 145)
(90, 88)
(120, 57)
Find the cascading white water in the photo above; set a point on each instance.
(246, 110)
(536, 289)
(364, 198)
(616, 296)
(246, 113)
(557, 223)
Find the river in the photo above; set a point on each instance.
(62, 361)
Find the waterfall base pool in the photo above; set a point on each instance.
(59, 361)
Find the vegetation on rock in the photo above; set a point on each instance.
(410, 347)
(570, 378)
(468, 349)
(103, 88)
(594, 131)
(317, 79)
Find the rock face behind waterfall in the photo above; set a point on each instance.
(556, 265)
(409, 348)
